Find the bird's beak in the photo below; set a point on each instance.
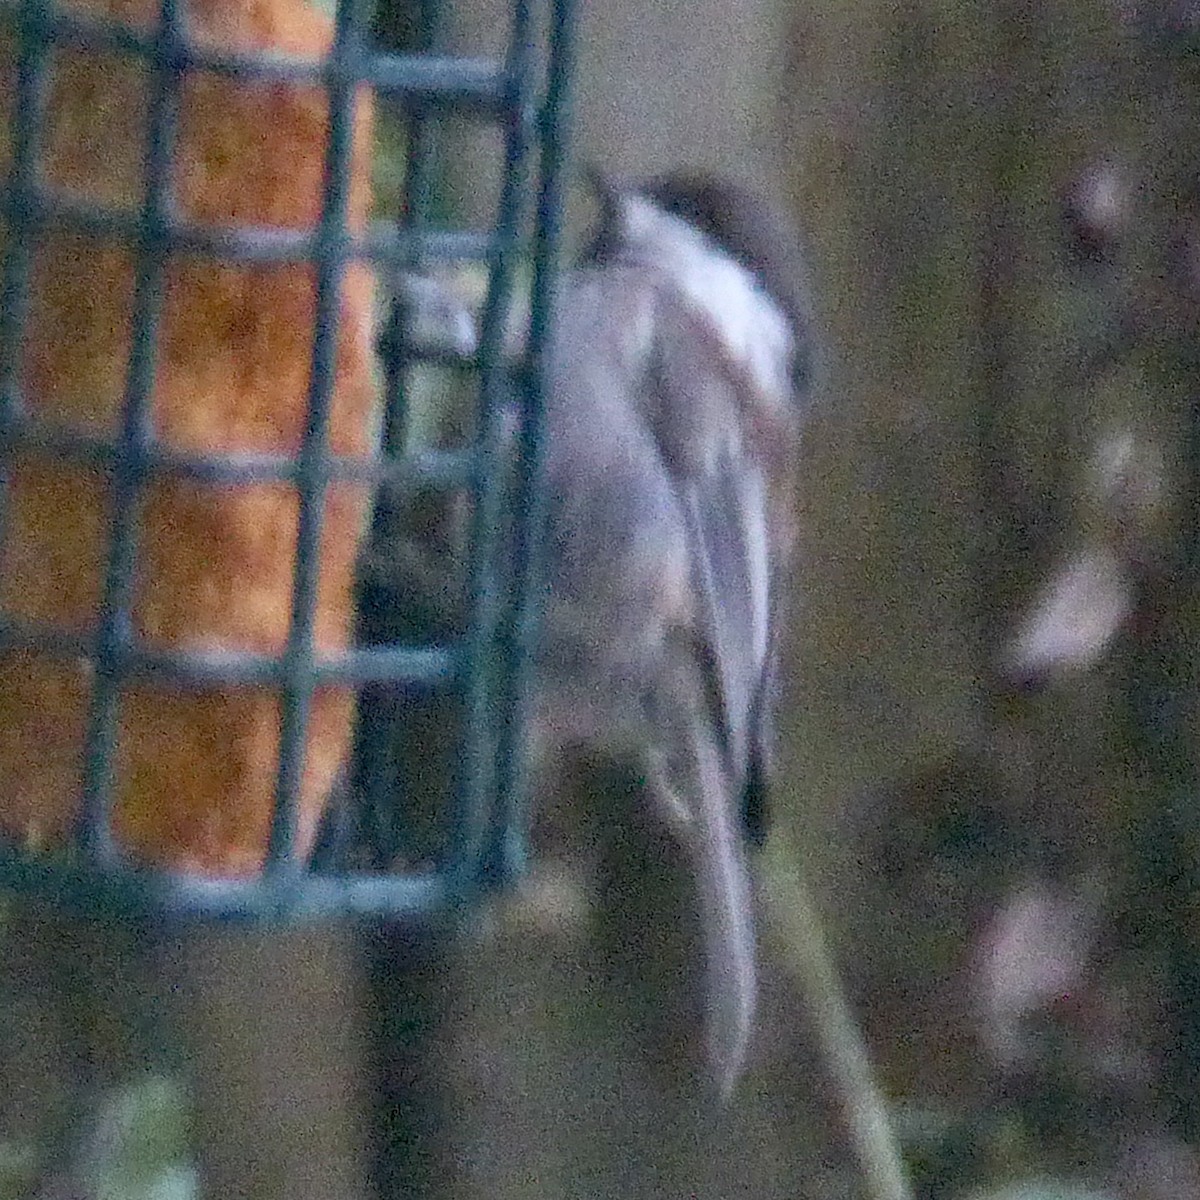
(606, 186)
(611, 192)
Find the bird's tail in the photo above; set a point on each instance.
(675, 902)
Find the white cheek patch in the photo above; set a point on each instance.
(754, 330)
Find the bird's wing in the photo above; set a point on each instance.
(702, 410)
(659, 611)
(708, 409)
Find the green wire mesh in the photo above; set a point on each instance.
(488, 667)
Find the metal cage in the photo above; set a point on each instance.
(525, 95)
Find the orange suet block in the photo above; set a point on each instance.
(195, 771)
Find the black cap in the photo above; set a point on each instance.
(739, 219)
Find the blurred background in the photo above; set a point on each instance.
(988, 812)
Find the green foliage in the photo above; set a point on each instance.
(18, 1169)
(146, 1137)
(140, 1149)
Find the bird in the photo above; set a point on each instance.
(680, 370)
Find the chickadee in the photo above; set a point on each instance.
(679, 372)
(679, 369)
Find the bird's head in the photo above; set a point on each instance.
(733, 251)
